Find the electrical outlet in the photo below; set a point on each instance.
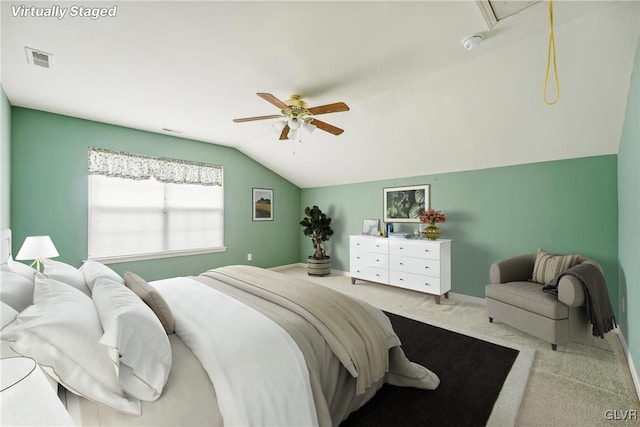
(249, 257)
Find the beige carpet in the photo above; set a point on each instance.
(584, 383)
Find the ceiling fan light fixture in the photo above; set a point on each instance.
(295, 135)
(295, 115)
(295, 122)
(309, 127)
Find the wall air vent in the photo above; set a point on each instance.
(39, 58)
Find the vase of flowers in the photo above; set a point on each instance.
(432, 217)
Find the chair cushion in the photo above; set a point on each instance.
(528, 296)
(547, 266)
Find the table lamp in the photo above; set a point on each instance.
(37, 248)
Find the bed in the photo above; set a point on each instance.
(236, 345)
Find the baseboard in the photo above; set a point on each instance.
(304, 265)
(467, 298)
(288, 266)
(632, 366)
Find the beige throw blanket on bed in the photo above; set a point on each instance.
(343, 322)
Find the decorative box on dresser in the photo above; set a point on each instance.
(419, 265)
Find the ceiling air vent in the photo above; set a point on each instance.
(39, 58)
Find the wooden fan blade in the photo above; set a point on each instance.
(326, 127)
(273, 100)
(250, 119)
(329, 108)
(285, 133)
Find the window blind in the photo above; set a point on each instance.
(140, 205)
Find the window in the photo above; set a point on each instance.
(144, 207)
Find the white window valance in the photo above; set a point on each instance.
(137, 166)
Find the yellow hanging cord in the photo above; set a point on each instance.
(552, 46)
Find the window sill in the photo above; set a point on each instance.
(143, 257)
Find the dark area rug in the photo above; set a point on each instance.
(471, 373)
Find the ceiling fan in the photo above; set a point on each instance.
(297, 113)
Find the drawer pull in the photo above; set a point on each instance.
(426, 266)
(426, 284)
(426, 250)
(402, 263)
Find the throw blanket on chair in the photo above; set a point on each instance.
(597, 301)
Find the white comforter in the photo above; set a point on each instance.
(267, 384)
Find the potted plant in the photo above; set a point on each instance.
(317, 225)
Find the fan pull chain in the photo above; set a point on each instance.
(552, 47)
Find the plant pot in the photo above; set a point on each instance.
(318, 267)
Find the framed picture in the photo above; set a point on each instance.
(262, 204)
(405, 204)
(370, 226)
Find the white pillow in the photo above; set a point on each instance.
(65, 273)
(61, 332)
(136, 340)
(7, 314)
(19, 268)
(92, 270)
(15, 291)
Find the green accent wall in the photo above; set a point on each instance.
(49, 193)
(5, 160)
(629, 218)
(567, 206)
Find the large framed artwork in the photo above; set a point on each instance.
(405, 204)
(262, 204)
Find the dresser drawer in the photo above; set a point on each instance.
(372, 274)
(371, 259)
(419, 249)
(416, 282)
(369, 244)
(428, 267)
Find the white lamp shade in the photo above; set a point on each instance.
(308, 127)
(27, 398)
(294, 123)
(37, 247)
(294, 135)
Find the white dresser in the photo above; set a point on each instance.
(419, 265)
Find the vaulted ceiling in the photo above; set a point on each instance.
(419, 102)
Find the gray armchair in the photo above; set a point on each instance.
(512, 298)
